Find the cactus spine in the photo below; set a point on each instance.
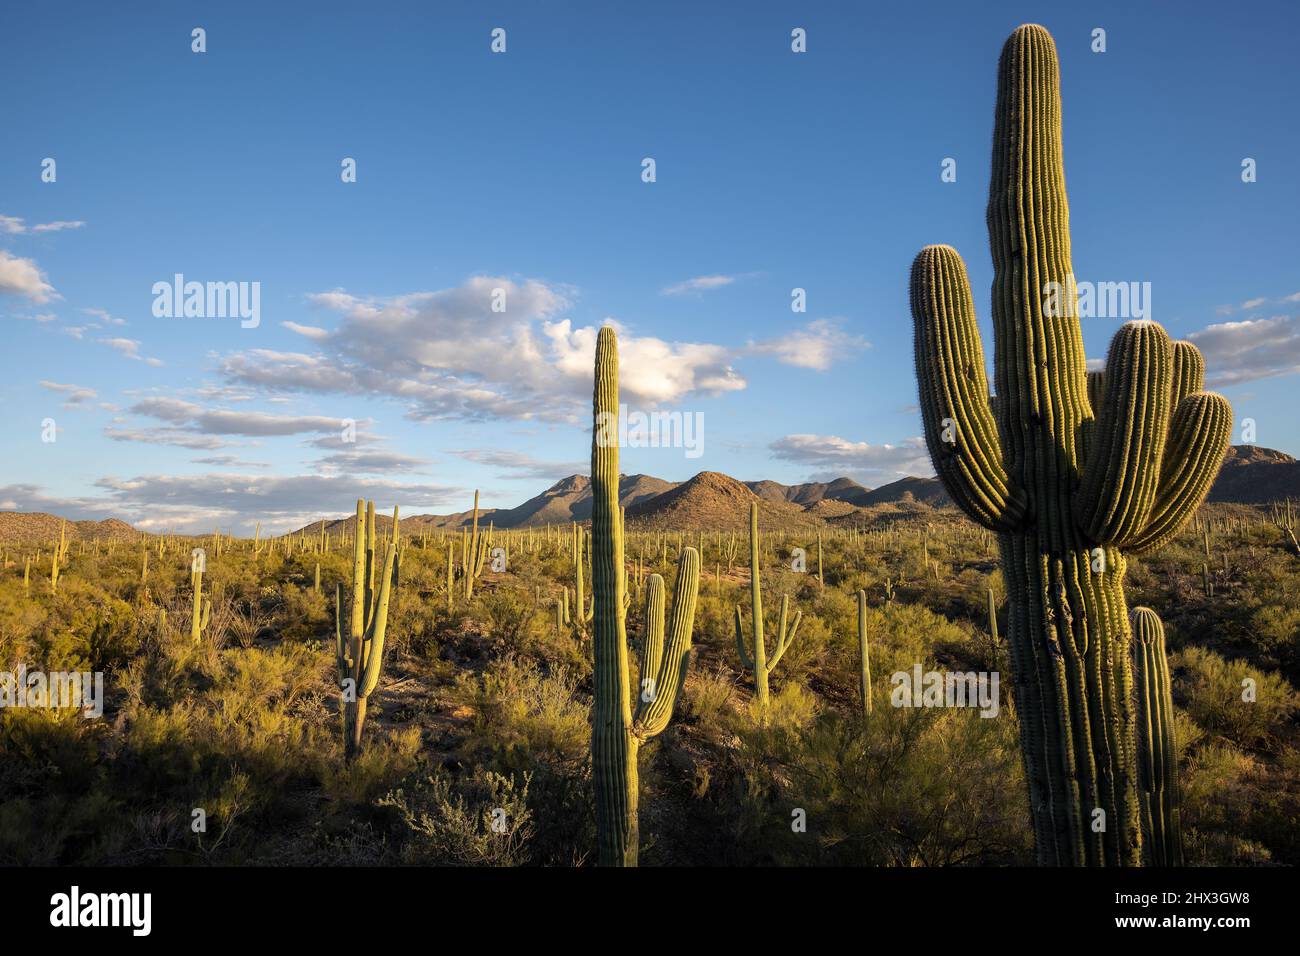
(1070, 493)
(754, 656)
(617, 731)
(360, 657)
(1157, 753)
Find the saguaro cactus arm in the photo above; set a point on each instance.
(374, 645)
(959, 428)
(1199, 436)
(785, 636)
(1119, 482)
(668, 672)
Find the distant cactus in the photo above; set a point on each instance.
(1071, 485)
(474, 549)
(582, 613)
(618, 730)
(360, 656)
(200, 606)
(1157, 753)
(864, 655)
(753, 653)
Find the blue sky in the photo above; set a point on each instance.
(522, 171)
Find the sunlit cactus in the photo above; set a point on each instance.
(864, 655)
(752, 646)
(360, 655)
(1157, 752)
(618, 729)
(200, 606)
(1073, 473)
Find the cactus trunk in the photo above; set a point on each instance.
(617, 731)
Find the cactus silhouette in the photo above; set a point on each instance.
(1156, 751)
(1073, 472)
(618, 730)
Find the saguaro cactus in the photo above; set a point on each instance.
(617, 731)
(582, 612)
(1157, 754)
(200, 606)
(864, 655)
(754, 656)
(1069, 493)
(361, 655)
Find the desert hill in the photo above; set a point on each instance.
(711, 500)
(1255, 475)
(810, 493)
(37, 527)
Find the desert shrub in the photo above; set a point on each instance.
(1213, 689)
(483, 821)
(905, 787)
(508, 613)
(524, 715)
(706, 696)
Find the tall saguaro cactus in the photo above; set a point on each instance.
(360, 655)
(618, 730)
(1157, 754)
(1070, 488)
(754, 656)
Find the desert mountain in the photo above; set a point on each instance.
(810, 493)
(711, 500)
(1254, 475)
(37, 527)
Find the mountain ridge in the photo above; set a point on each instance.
(1251, 474)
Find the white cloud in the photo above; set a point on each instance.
(363, 462)
(58, 226)
(518, 465)
(837, 456)
(74, 394)
(23, 277)
(177, 437)
(128, 347)
(308, 331)
(1237, 352)
(230, 461)
(448, 354)
(104, 317)
(700, 284)
(16, 226)
(218, 421)
(817, 345)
